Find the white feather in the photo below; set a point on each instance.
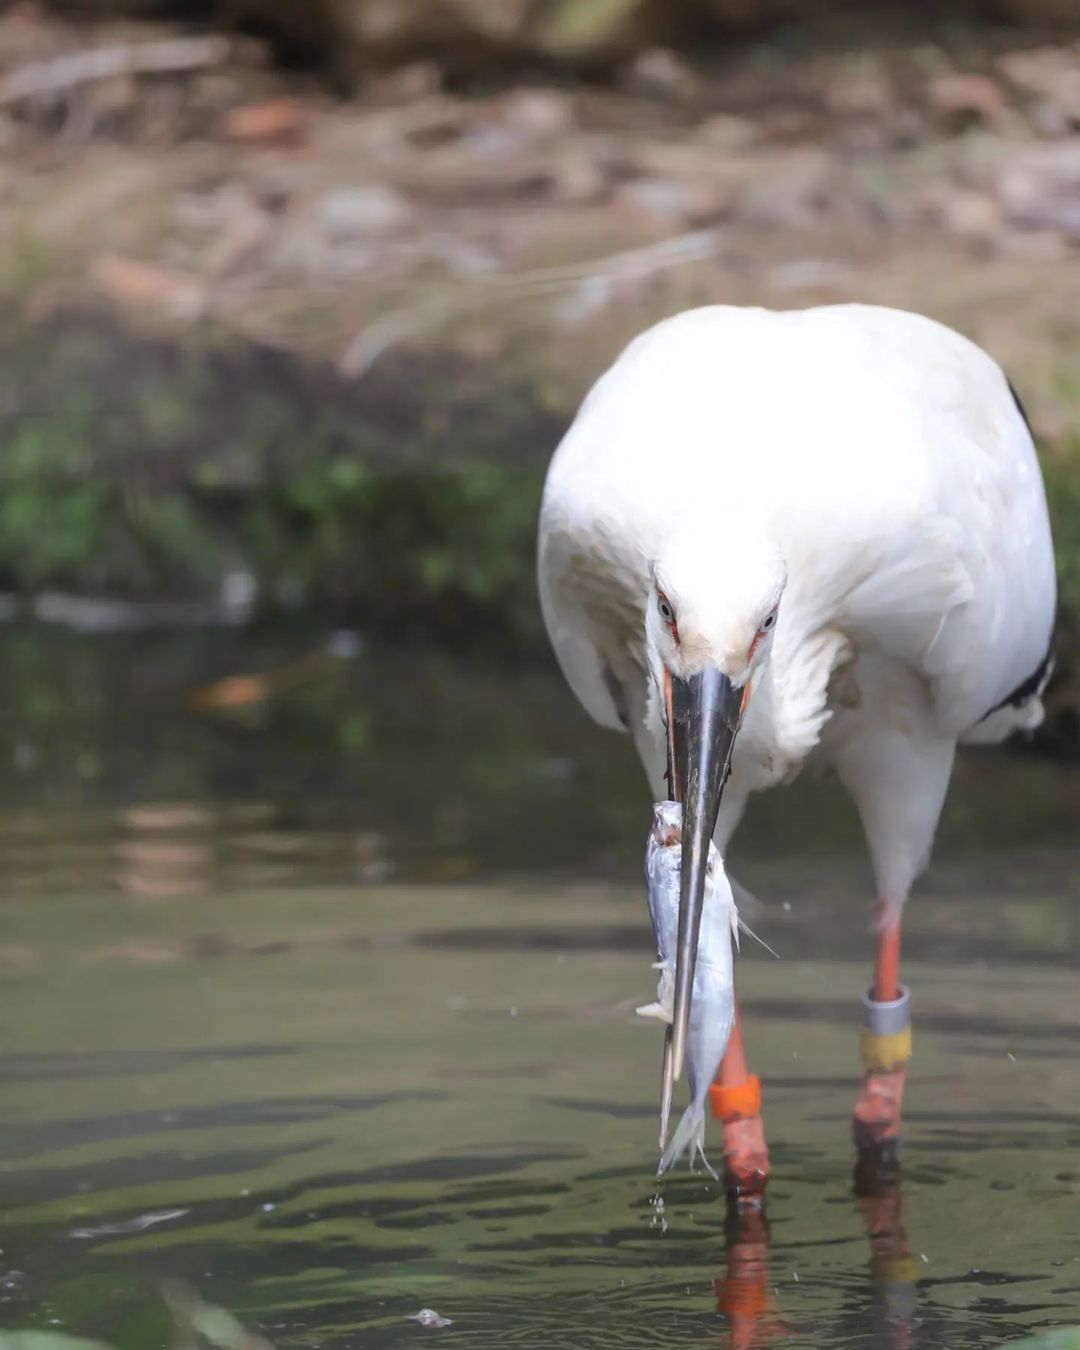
(875, 458)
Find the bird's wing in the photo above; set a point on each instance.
(586, 670)
(990, 649)
(957, 576)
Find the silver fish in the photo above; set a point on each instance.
(712, 1005)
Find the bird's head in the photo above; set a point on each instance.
(713, 602)
(713, 606)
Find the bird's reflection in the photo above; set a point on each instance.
(745, 1291)
(893, 1269)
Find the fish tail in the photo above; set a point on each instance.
(689, 1134)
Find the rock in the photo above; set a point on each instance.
(789, 190)
(659, 73)
(958, 98)
(1051, 75)
(374, 208)
(274, 120)
(407, 84)
(1040, 188)
(538, 112)
(726, 132)
(861, 95)
(578, 178)
(793, 126)
(968, 214)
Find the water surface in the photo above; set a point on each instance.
(346, 1029)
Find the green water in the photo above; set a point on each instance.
(257, 1060)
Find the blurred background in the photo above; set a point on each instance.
(295, 302)
(296, 299)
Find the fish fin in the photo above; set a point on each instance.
(689, 1133)
(747, 929)
(697, 1147)
(655, 1010)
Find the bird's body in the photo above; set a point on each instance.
(886, 458)
(832, 519)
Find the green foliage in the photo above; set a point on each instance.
(144, 469)
(1062, 476)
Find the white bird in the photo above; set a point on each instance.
(821, 535)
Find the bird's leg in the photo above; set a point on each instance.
(885, 1045)
(735, 1099)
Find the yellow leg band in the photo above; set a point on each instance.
(882, 1054)
(894, 1270)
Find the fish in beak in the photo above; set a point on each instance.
(703, 717)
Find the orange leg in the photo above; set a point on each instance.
(886, 1047)
(887, 966)
(735, 1098)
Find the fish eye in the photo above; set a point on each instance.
(663, 604)
(769, 622)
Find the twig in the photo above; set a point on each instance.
(631, 264)
(105, 63)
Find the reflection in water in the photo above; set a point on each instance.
(893, 1269)
(296, 761)
(744, 1291)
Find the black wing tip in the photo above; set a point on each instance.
(1029, 688)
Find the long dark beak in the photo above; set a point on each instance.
(705, 712)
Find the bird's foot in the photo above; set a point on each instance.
(746, 1161)
(746, 1155)
(876, 1118)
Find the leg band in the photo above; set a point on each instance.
(738, 1102)
(885, 1041)
(894, 1270)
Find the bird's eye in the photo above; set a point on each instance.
(769, 622)
(663, 604)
